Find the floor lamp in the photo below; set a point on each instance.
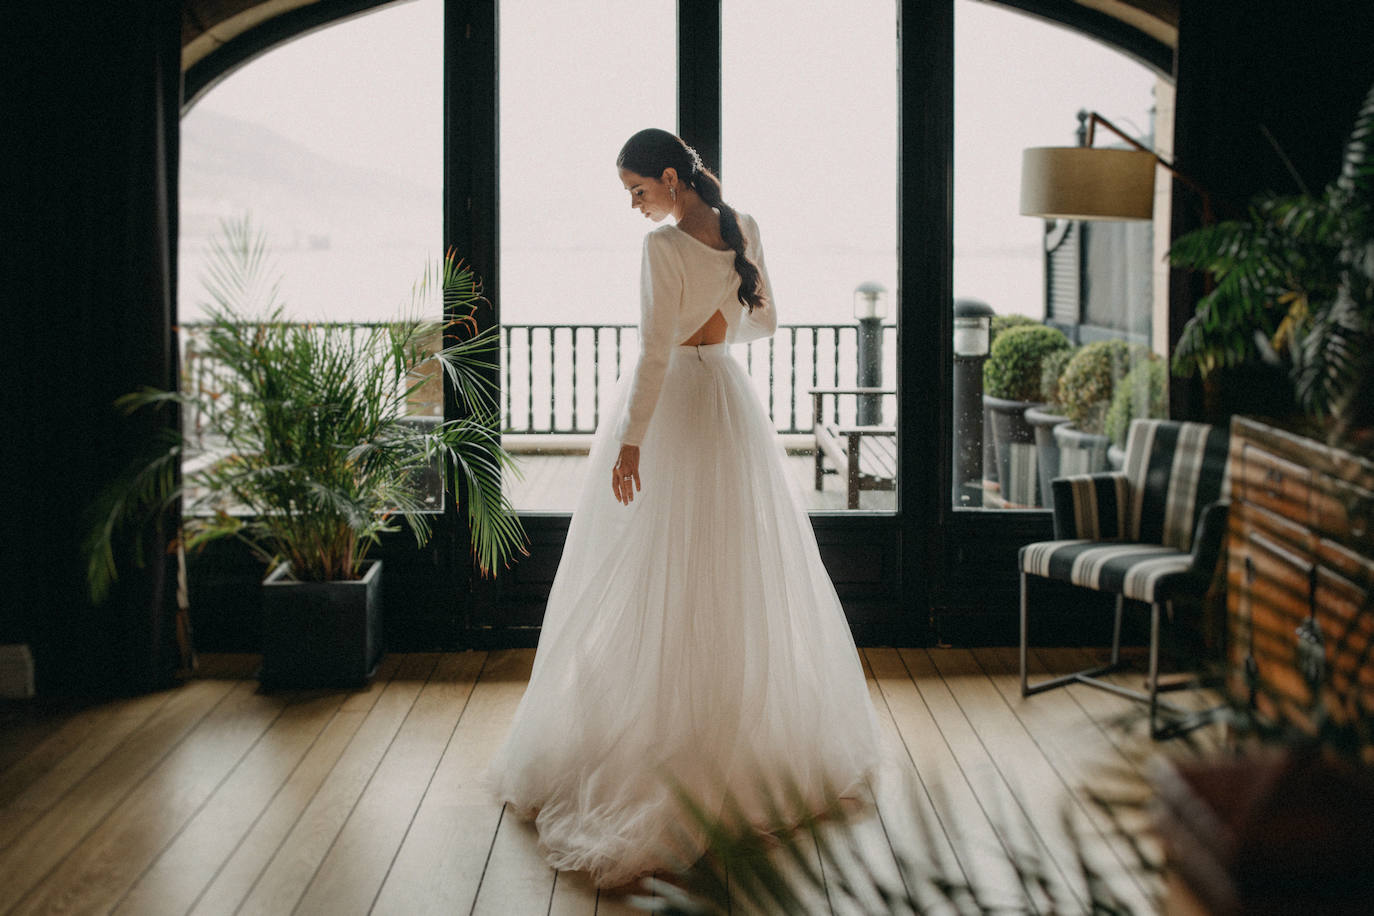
(1087, 182)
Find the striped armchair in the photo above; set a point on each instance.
(1151, 532)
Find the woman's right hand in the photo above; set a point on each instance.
(625, 474)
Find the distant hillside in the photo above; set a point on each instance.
(229, 167)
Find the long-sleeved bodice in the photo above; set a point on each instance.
(683, 282)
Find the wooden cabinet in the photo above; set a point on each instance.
(1300, 571)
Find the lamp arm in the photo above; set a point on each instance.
(1095, 119)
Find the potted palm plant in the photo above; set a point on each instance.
(299, 441)
(1011, 385)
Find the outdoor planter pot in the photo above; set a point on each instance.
(1080, 452)
(321, 634)
(1046, 446)
(1014, 440)
(989, 448)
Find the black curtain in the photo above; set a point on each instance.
(88, 293)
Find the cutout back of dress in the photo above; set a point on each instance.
(712, 332)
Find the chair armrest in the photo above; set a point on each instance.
(1208, 538)
(1091, 506)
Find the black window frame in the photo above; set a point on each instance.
(924, 574)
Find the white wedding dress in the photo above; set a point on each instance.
(692, 638)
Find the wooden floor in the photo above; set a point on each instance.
(552, 483)
(217, 798)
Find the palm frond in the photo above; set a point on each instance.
(310, 453)
(142, 493)
(1294, 280)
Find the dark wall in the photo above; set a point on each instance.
(1297, 70)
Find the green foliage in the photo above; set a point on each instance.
(1294, 283)
(1142, 393)
(1013, 366)
(1000, 323)
(1051, 371)
(1090, 379)
(807, 855)
(299, 441)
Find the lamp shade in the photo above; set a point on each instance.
(1081, 182)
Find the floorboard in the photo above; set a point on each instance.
(1074, 758)
(954, 800)
(26, 862)
(111, 857)
(236, 877)
(36, 781)
(219, 798)
(282, 885)
(173, 883)
(443, 857)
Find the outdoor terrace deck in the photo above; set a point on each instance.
(551, 482)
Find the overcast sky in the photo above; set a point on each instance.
(809, 126)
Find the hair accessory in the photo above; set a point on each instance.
(694, 158)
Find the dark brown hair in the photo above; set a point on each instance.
(650, 152)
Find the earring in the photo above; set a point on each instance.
(673, 191)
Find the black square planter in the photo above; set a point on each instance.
(321, 634)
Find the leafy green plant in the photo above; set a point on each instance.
(1090, 379)
(1294, 284)
(1051, 372)
(1000, 323)
(775, 871)
(299, 442)
(1143, 392)
(746, 869)
(1013, 367)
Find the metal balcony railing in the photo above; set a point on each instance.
(560, 378)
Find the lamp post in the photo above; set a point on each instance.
(870, 308)
(972, 333)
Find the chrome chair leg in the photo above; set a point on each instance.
(1152, 680)
(1086, 676)
(1025, 686)
(1116, 629)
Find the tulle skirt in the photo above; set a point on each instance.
(692, 641)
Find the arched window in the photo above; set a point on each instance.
(1020, 82)
(332, 145)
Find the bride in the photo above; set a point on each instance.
(692, 638)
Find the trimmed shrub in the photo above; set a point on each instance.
(1143, 392)
(1090, 380)
(1051, 371)
(1014, 365)
(1002, 323)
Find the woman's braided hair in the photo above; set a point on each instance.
(650, 152)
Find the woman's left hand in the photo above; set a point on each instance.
(625, 474)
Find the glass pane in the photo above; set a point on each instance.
(1086, 287)
(332, 146)
(570, 245)
(809, 136)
